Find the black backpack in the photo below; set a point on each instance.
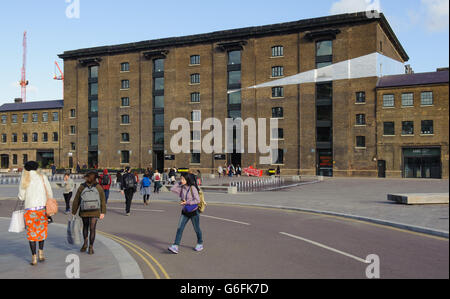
(105, 180)
(129, 181)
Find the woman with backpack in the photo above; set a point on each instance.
(146, 188)
(188, 192)
(91, 200)
(157, 178)
(105, 181)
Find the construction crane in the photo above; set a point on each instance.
(23, 82)
(61, 75)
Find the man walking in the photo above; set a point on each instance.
(220, 171)
(129, 187)
(53, 170)
(105, 182)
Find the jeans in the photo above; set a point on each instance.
(182, 224)
(106, 195)
(67, 198)
(157, 187)
(129, 193)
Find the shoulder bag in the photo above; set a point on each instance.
(52, 204)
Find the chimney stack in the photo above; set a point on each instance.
(408, 69)
(18, 100)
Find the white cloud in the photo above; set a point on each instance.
(32, 90)
(436, 15)
(349, 6)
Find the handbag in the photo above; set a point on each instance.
(17, 224)
(74, 236)
(52, 204)
(187, 211)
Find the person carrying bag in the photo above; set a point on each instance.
(36, 193)
(190, 200)
(91, 202)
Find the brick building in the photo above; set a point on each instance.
(120, 100)
(413, 125)
(30, 131)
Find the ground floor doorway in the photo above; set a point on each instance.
(235, 159)
(45, 158)
(93, 159)
(158, 160)
(325, 163)
(422, 163)
(381, 168)
(5, 161)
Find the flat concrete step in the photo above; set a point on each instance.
(420, 198)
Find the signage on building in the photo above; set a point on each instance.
(219, 157)
(169, 157)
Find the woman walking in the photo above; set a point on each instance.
(190, 199)
(91, 200)
(68, 186)
(146, 188)
(157, 178)
(34, 190)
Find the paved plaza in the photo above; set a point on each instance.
(352, 196)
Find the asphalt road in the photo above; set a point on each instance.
(260, 243)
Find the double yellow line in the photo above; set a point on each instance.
(143, 254)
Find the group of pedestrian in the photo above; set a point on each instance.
(35, 191)
(229, 170)
(91, 198)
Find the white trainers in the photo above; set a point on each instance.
(174, 249)
(199, 247)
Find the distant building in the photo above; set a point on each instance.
(413, 125)
(30, 131)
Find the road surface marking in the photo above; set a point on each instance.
(342, 218)
(141, 210)
(143, 250)
(228, 220)
(135, 251)
(326, 247)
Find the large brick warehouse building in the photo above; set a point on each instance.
(120, 100)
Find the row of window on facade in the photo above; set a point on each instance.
(34, 137)
(34, 118)
(235, 98)
(277, 51)
(427, 128)
(15, 160)
(426, 99)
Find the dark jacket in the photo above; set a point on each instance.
(77, 199)
(123, 184)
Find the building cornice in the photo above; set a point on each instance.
(242, 34)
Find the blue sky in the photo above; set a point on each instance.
(421, 25)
